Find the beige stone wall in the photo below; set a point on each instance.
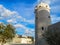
(22, 40)
(16, 40)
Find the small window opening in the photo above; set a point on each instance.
(42, 28)
(48, 16)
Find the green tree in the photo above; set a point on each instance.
(7, 32)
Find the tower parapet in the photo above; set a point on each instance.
(42, 6)
(42, 21)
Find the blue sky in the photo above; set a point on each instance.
(20, 13)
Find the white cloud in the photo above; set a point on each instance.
(29, 21)
(19, 17)
(54, 1)
(48, 1)
(5, 12)
(1, 18)
(28, 31)
(20, 26)
(55, 9)
(12, 16)
(45, 1)
(55, 18)
(11, 21)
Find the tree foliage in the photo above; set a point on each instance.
(7, 32)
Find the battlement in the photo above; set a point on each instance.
(42, 6)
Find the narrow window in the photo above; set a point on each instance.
(48, 16)
(42, 28)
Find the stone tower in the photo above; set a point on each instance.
(42, 21)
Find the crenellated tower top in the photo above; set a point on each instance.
(42, 6)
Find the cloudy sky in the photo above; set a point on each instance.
(20, 13)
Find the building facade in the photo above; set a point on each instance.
(42, 21)
(19, 39)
